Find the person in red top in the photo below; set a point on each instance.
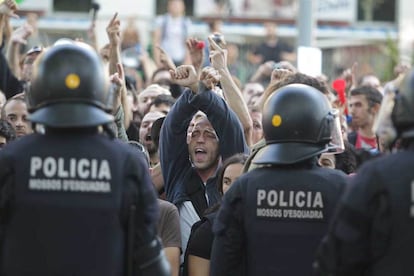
(364, 104)
(365, 142)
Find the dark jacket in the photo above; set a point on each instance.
(9, 84)
(372, 231)
(272, 219)
(66, 202)
(180, 178)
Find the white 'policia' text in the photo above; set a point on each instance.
(289, 204)
(69, 175)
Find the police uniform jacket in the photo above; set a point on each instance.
(372, 232)
(65, 205)
(181, 181)
(273, 218)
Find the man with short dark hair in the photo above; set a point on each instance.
(145, 137)
(364, 105)
(162, 103)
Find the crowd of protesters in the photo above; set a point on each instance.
(195, 116)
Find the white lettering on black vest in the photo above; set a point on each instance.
(289, 204)
(281, 198)
(71, 174)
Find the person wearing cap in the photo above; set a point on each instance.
(11, 82)
(22, 65)
(74, 199)
(27, 61)
(147, 96)
(18, 76)
(272, 218)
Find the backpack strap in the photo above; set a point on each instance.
(352, 137)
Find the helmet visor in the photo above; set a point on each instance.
(66, 115)
(287, 153)
(336, 145)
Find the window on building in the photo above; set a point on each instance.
(161, 7)
(377, 10)
(72, 5)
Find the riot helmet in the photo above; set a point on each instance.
(298, 123)
(70, 88)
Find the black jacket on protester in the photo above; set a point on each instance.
(9, 84)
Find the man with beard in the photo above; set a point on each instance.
(189, 169)
(145, 135)
(364, 104)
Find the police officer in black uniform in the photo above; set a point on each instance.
(74, 200)
(273, 217)
(372, 232)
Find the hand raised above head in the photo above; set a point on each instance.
(196, 49)
(119, 80)
(349, 75)
(114, 30)
(279, 74)
(165, 59)
(22, 33)
(218, 55)
(9, 7)
(210, 77)
(118, 77)
(194, 45)
(185, 75)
